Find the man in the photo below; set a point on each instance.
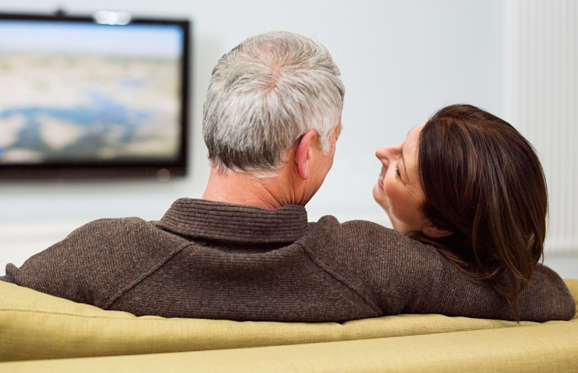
(245, 251)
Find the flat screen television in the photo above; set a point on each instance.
(99, 96)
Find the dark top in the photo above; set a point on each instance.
(215, 260)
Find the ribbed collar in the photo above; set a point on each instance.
(228, 222)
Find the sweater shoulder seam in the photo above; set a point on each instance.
(144, 276)
(327, 269)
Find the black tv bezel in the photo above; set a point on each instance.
(118, 169)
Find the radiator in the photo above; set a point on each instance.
(541, 100)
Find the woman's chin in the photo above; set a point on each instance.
(402, 229)
(396, 228)
(377, 195)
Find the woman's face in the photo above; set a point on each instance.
(398, 189)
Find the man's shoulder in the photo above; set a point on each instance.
(113, 223)
(117, 228)
(106, 229)
(96, 260)
(356, 239)
(114, 237)
(328, 233)
(330, 227)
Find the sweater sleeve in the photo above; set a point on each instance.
(93, 263)
(401, 275)
(545, 298)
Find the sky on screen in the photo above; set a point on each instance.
(157, 41)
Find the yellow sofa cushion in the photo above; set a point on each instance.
(539, 349)
(34, 325)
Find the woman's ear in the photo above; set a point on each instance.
(304, 153)
(434, 232)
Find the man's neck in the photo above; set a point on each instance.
(242, 188)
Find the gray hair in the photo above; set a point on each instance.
(264, 95)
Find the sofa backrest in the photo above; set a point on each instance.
(34, 325)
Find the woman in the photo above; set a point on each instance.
(467, 182)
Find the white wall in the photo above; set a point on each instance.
(401, 60)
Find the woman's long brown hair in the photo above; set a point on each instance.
(483, 181)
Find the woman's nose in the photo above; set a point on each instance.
(386, 153)
(381, 153)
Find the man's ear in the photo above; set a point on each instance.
(434, 232)
(304, 153)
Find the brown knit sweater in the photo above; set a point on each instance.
(215, 260)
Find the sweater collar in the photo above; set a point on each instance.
(228, 222)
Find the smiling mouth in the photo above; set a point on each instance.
(380, 181)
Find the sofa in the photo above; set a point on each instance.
(39, 332)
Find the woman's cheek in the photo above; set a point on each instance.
(395, 195)
(390, 189)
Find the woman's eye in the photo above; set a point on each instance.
(397, 172)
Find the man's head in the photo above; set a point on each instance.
(264, 96)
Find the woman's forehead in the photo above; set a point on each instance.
(412, 139)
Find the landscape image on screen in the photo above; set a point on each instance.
(87, 92)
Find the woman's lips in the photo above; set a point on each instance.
(380, 182)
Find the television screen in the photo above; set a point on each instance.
(83, 98)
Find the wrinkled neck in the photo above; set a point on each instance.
(243, 188)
